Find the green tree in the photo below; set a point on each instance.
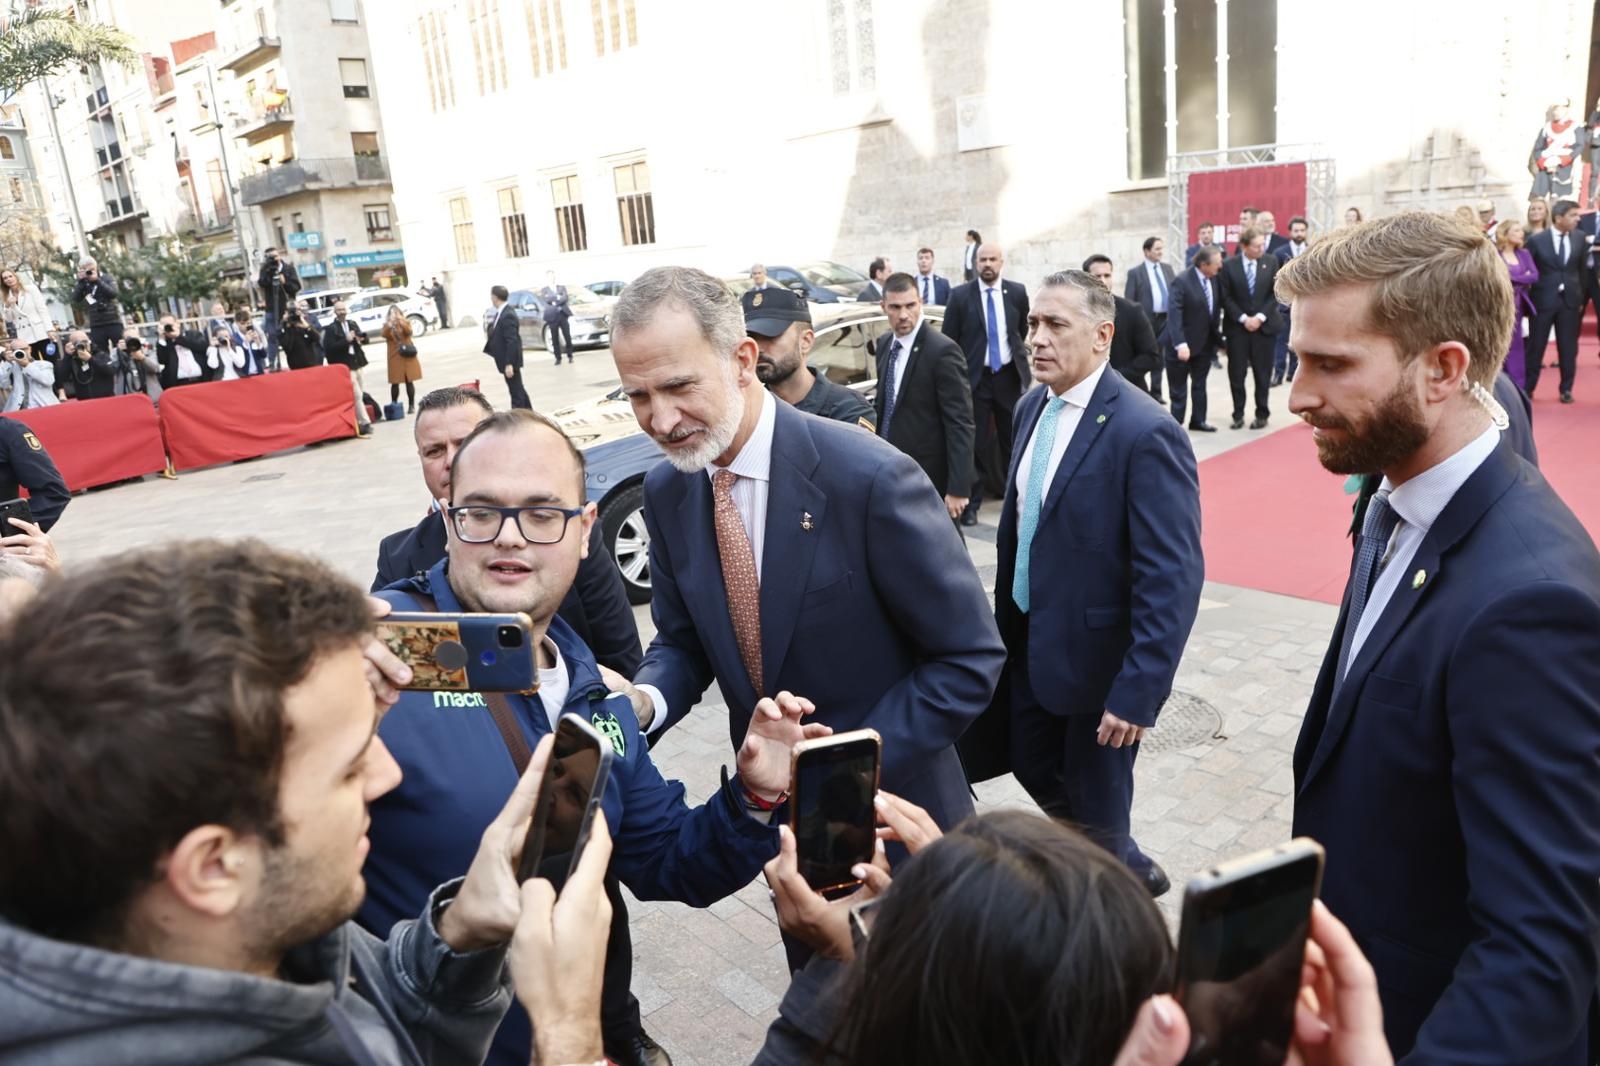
(36, 42)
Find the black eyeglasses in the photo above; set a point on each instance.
(480, 523)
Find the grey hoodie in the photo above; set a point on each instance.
(352, 998)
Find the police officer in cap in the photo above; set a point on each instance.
(779, 321)
(25, 464)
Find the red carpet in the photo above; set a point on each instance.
(1275, 520)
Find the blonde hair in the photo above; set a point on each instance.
(1466, 214)
(1434, 279)
(1502, 234)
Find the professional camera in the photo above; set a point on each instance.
(132, 344)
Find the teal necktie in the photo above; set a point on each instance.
(1044, 441)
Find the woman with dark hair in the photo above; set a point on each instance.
(1352, 215)
(969, 257)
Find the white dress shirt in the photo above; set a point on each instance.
(999, 317)
(753, 465)
(905, 356)
(1418, 504)
(1077, 398)
(1158, 286)
(554, 684)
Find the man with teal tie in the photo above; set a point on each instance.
(1096, 586)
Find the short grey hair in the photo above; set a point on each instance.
(1096, 297)
(718, 313)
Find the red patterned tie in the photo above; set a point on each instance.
(738, 575)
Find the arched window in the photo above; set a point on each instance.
(6, 151)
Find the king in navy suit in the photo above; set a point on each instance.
(1448, 758)
(1099, 575)
(792, 553)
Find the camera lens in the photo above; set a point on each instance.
(510, 636)
(488, 658)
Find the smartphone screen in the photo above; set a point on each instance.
(573, 787)
(831, 809)
(1239, 957)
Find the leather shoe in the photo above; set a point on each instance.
(1237, 423)
(1260, 423)
(1277, 381)
(969, 518)
(643, 1052)
(1202, 427)
(1156, 880)
(1566, 397)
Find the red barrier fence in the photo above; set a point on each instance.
(96, 442)
(221, 421)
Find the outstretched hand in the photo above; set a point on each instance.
(775, 728)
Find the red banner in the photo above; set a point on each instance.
(1216, 196)
(221, 421)
(96, 442)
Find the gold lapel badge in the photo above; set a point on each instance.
(1418, 578)
(805, 521)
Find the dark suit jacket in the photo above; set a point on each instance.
(1188, 320)
(933, 410)
(966, 323)
(872, 294)
(339, 350)
(504, 344)
(1275, 243)
(596, 606)
(940, 286)
(1114, 573)
(1452, 780)
(167, 356)
(557, 307)
(1548, 291)
(1133, 345)
(1237, 299)
(870, 605)
(1138, 289)
(969, 262)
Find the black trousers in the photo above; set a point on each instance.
(1186, 380)
(1066, 770)
(560, 338)
(993, 399)
(104, 338)
(1250, 353)
(519, 395)
(1567, 321)
(1152, 379)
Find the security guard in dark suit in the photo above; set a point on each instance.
(779, 321)
(25, 464)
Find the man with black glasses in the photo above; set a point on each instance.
(518, 525)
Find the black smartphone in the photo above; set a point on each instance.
(832, 782)
(1240, 949)
(10, 509)
(464, 652)
(573, 788)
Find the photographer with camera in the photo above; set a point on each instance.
(26, 381)
(251, 341)
(137, 368)
(302, 344)
(180, 353)
(224, 359)
(279, 284)
(99, 292)
(90, 374)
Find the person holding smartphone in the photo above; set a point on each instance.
(518, 524)
(223, 359)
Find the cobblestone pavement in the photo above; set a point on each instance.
(1213, 781)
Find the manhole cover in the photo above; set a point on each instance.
(262, 477)
(1186, 720)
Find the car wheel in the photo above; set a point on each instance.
(419, 325)
(626, 537)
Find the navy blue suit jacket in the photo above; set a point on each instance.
(1115, 570)
(504, 343)
(1189, 321)
(940, 285)
(875, 612)
(966, 322)
(1453, 781)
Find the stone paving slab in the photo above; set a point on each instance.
(709, 980)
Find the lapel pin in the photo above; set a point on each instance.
(1418, 578)
(1100, 420)
(805, 521)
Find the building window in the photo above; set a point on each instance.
(364, 143)
(571, 231)
(7, 150)
(488, 44)
(513, 223)
(221, 212)
(344, 10)
(615, 25)
(436, 60)
(547, 37)
(379, 227)
(852, 50)
(297, 222)
(277, 228)
(635, 209)
(353, 73)
(461, 224)
(1193, 117)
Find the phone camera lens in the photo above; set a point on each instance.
(488, 658)
(510, 637)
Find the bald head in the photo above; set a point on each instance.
(991, 260)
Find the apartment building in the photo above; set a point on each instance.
(315, 176)
(24, 212)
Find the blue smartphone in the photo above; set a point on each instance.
(463, 652)
(573, 788)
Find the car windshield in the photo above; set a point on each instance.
(580, 295)
(825, 273)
